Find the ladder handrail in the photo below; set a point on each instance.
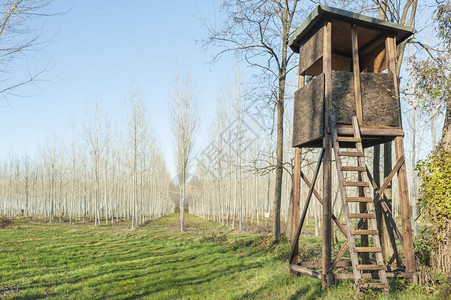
(363, 183)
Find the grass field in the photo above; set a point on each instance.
(155, 262)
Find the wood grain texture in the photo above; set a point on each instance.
(308, 117)
(372, 275)
(327, 163)
(311, 51)
(380, 107)
(379, 103)
(406, 222)
(356, 74)
(306, 271)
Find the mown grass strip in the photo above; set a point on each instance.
(208, 261)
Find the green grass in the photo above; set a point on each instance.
(154, 261)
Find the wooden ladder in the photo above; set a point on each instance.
(366, 199)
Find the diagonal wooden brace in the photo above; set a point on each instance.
(320, 199)
(379, 193)
(295, 242)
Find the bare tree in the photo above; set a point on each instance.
(184, 117)
(258, 32)
(95, 140)
(432, 75)
(73, 182)
(136, 130)
(20, 36)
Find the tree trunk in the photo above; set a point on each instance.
(182, 203)
(445, 143)
(279, 158)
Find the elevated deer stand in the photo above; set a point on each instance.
(349, 104)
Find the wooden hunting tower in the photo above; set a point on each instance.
(349, 102)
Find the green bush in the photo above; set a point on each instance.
(422, 245)
(435, 173)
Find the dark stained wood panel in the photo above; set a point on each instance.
(339, 63)
(379, 104)
(343, 104)
(380, 107)
(371, 48)
(308, 117)
(311, 51)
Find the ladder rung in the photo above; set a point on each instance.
(368, 249)
(348, 139)
(359, 199)
(353, 168)
(356, 183)
(371, 267)
(362, 216)
(350, 153)
(364, 232)
(374, 285)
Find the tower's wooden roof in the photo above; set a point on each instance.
(370, 30)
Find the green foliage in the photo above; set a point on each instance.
(310, 249)
(422, 245)
(435, 173)
(214, 238)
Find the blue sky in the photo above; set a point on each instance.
(98, 50)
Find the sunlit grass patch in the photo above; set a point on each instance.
(153, 261)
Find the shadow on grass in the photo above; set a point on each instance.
(310, 289)
(313, 291)
(138, 264)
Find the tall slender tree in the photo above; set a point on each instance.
(136, 130)
(258, 31)
(184, 118)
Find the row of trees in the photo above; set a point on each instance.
(100, 174)
(235, 175)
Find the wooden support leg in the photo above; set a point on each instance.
(296, 203)
(327, 146)
(406, 222)
(327, 210)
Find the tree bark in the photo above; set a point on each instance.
(279, 165)
(445, 143)
(279, 152)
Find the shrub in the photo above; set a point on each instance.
(435, 173)
(422, 245)
(5, 222)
